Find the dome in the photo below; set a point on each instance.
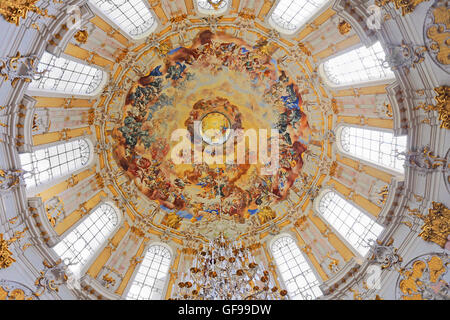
(148, 145)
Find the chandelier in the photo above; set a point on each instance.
(226, 270)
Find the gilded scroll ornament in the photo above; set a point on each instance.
(437, 34)
(383, 194)
(344, 27)
(19, 68)
(14, 10)
(6, 259)
(81, 36)
(406, 6)
(424, 278)
(12, 290)
(436, 227)
(442, 106)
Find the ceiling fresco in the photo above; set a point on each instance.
(223, 84)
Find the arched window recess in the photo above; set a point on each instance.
(47, 165)
(133, 17)
(296, 273)
(361, 66)
(289, 16)
(63, 76)
(375, 146)
(82, 244)
(356, 227)
(150, 280)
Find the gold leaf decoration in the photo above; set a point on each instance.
(436, 226)
(81, 36)
(344, 27)
(14, 10)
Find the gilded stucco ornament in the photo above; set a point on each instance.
(19, 68)
(424, 278)
(6, 259)
(385, 254)
(436, 227)
(81, 36)
(424, 160)
(442, 106)
(404, 56)
(344, 27)
(14, 10)
(436, 33)
(406, 6)
(13, 290)
(10, 179)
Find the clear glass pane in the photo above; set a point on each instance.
(376, 146)
(297, 275)
(132, 16)
(63, 75)
(355, 226)
(291, 14)
(46, 164)
(152, 273)
(79, 245)
(213, 5)
(359, 65)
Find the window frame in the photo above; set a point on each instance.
(52, 182)
(396, 174)
(316, 208)
(292, 33)
(366, 83)
(102, 14)
(53, 93)
(303, 255)
(207, 12)
(120, 218)
(167, 278)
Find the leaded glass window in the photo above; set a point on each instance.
(380, 147)
(46, 164)
(132, 16)
(67, 76)
(212, 6)
(151, 275)
(358, 66)
(354, 226)
(78, 246)
(300, 281)
(292, 14)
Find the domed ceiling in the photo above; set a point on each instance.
(222, 83)
(215, 134)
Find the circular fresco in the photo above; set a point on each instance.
(218, 92)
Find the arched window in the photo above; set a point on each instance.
(355, 226)
(356, 66)
(297, 275)
(67, 76)
(292, 14)
(46, 164)
(212, 6)
(132, 16)
(84, 241)
(151, 275)
(380, 147)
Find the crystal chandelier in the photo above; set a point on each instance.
(226, 270)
